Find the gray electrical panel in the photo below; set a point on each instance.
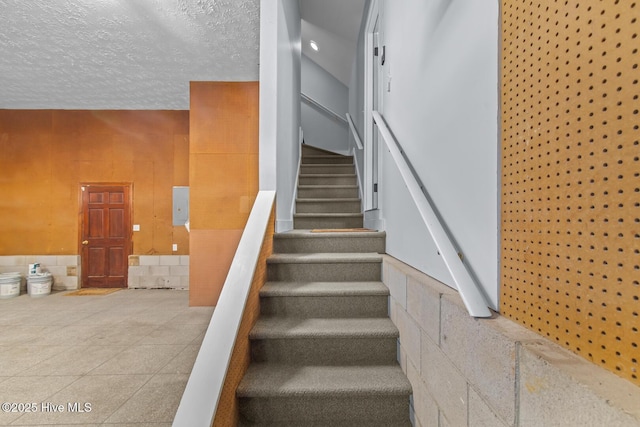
(180, 205)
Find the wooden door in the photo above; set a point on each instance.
(105, 238)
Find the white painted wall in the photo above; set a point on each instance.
(268, 94)
(288, 151)
(280, 104)
(442, 66)
(320, 129)
(356, 98)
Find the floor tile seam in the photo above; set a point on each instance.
(21, 374)
(199, 338)
(124, 348)
(49, 397)
(160, 368)
(111, 344)
(20, 342)
(140, 392)
(150, 372)
(106, 417)
(131, 396)
(165, 320)
(174, 358)
(63, 348)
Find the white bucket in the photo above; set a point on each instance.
(39, 285)
(10, 285)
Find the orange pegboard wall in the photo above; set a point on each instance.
(570, 232)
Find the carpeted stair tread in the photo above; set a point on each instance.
(329, 241)
(323, 186)
(328, 215)
(286, 327)
(308, 234)
(315, 168)
(328, 200)
(324, 258)
(322, 289)
(332, 423)
(327, 175)
(326, 159)
(326, 156)
(270, 380)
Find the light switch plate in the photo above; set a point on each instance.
(136, 227)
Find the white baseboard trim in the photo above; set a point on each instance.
(284, 225)
(373, 221)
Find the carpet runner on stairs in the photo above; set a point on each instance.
(323, 352)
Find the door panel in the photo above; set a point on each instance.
(116, 222)
(116, 264)
(105, 237)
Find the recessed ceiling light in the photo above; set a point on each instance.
(313, 45)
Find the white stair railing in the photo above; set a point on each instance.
(354, 131)
(469, 290)
(326, 110)
(202, 393)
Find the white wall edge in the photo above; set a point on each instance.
(284, 226)
(268, 117)
(373, 221)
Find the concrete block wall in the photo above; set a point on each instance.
(64, 268)
(493, 372)
(158, 271)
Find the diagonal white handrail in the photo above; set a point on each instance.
(306, 98)
(469, 290)
(202, 393)
(354, 131)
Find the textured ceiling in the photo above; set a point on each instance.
(122, 54)
(334, 25)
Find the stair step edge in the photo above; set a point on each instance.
(328, 200)
(308, 234)
(327, 175)
(313, 187)
(291, 328)
(323, 289)
(271, 380)
(323, 258)
(328, 215)
(326, 156)
(324, 165)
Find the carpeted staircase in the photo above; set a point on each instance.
(327, 192)
(324, 349)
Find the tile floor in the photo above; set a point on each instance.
(127, 355)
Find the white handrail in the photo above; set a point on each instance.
(355, 133)
(202, 393)
(469, 290)
(319, 106)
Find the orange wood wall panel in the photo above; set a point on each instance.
(225, 117)
(46, 154)
(211, 252)
(228, 413)
(223, 175)
(571, 176)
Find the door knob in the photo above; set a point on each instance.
(85, 242)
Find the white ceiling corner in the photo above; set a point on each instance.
(334, 25)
